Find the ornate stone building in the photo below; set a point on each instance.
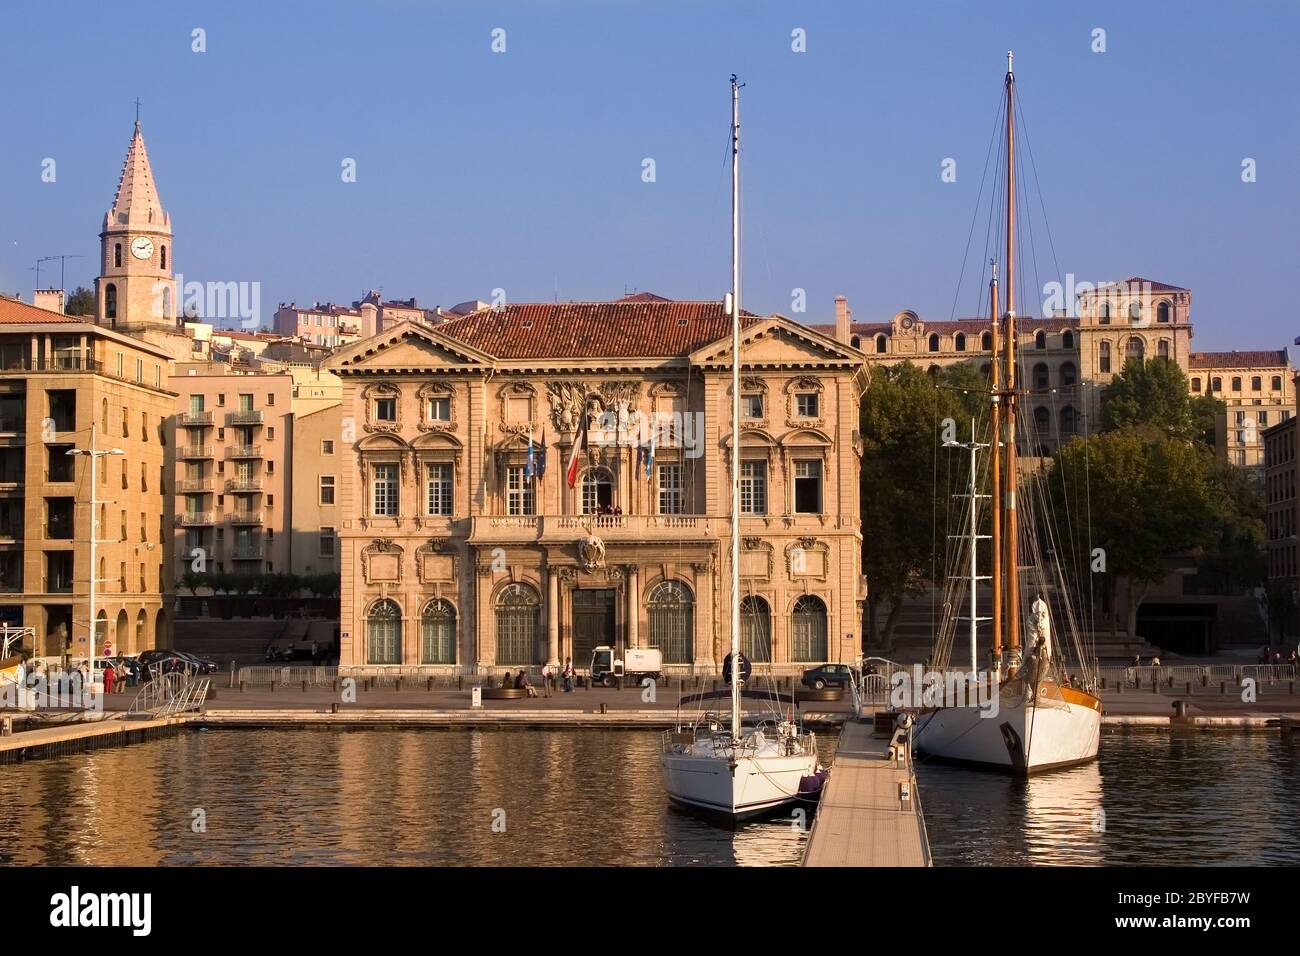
(1067, 360)
(456, 555)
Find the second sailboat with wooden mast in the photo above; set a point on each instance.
(1043, 718)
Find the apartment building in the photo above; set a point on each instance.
(1282, 516)
(66, 383)
(1258, 391)
(317, 472)
(234, 468)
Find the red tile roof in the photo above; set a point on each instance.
(656, 328)
(1027, 324)
(14, 312)
(1265, 358)
(1151, 284)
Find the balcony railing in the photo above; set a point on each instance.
(194, 519)
(194, 451)
(248, 552)
(246, 517)
(247, 416)
(10, 533)
(568, 527)
(244, 484)
(194, 484)
(243, 451)
(196, 418)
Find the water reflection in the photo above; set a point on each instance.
(383, 797)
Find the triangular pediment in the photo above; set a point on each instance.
(777, 340)
(406, 346)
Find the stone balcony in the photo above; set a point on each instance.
(507, 529)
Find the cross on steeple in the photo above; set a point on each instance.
(137, 111)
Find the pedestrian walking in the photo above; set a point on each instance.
(110, 677)
(568, 675)
(548, 677)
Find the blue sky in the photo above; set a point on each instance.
(522, 170)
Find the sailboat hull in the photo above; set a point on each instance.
(757, 785)
(1061, 728)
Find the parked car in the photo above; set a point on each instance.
(202, 665)
(827, 675)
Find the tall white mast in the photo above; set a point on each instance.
(735, 408)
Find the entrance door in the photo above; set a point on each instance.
(593, 623)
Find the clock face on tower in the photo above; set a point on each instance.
(142, 247)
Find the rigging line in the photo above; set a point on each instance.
(976, 211)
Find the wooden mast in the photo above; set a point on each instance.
(1010, 479)
(995, 478)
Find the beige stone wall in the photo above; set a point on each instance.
(473, 556)
(317, 454)
(1255, 400)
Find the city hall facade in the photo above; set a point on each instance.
(463, 550)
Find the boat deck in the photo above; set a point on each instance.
(861, 820)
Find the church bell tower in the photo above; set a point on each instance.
(135, 283)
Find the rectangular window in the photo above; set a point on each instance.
(751, 406)
(519, 492)
(438, 484)
(327, 489)
(808, 487)
(384, 484)
(440, 409)
(806, 405)
(139, 370)
(327, 446)
(327, 542)
(385, 409)
(670, 489)
(753, 487)
(196, 404)
(246, 402)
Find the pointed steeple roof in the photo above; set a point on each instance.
(136, 204)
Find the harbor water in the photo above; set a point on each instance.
(590, 797)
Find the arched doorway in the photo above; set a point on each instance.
(384, 633)
(808, 630)
(121, 633)
(756, 629)
(438, 633)
(671, 607)
(141, 621)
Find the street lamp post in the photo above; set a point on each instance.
(94, 454)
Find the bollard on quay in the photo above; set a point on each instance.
(397, 684)
(304, 687)
(1189, 688)
(241, 686)
(1223, 687)
(429, 684)
(334, 707)
(272, 685)
(334, 685)
(1155, 686)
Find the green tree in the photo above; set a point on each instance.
(81, 301)
(1149, 496)
(1239, 553)
(1154, 394)
(901, 424)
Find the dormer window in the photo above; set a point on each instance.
(934, 343)
(959, 342)
(806, 405)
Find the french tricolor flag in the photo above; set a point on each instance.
(579, 447)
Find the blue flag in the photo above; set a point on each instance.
(541, 455)
(530, 470)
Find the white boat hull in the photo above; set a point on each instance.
(703, 779)
(1061, 730)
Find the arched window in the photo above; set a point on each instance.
(164, 258)
(1135, 310)
(1256, 383)
(671, 608)
(756, 629)
(123, 622)
(1042, 380)
(438, 633)
(855, 342)
(1162, 348)
(1162, 312)
(597, 491)
(1067, 339)
(1042, 420)
(384, 633)
(986, 341)
(1069, 375)
(166, 303)
(959, 342)
(517, 625)
(1040, 339)
(1236, 383)
(1068, 420)
(1134, 349)
(882, 344)
(1277, 383)
(1216, 384)
(1196, 384)
(101, 623)
(110, 301)
(808, 630)
(117, 255)
(934, 342)
(1103, 313)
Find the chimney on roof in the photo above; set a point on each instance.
(52, 300)
(843, 319)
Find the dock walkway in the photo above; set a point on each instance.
(862, 819)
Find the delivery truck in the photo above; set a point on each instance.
(636, 663)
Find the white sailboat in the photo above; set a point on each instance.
(1044, 718)
(737, 770)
